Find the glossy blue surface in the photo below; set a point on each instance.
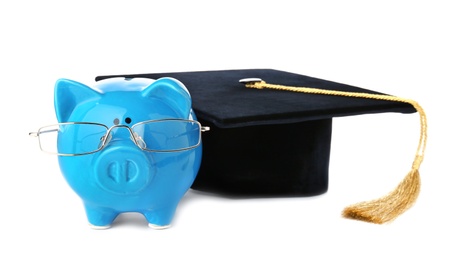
(122, 177)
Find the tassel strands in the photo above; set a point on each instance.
(388, 207)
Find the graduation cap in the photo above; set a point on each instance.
(271, 134)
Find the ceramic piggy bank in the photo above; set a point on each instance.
(127, 145)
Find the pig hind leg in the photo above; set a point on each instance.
(160, 218)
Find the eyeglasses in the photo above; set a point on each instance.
(81, 138)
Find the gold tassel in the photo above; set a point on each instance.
(389, 207)
(395, 203)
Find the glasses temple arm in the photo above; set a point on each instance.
(36, 134)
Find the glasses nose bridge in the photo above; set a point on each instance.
(129, 129)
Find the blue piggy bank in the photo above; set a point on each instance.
(126, 145)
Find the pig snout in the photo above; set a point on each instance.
(124, 169)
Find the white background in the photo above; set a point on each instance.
(405, 48)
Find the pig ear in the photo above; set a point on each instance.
(68, 94)
(173, 92)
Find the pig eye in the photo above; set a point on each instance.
(116, 121)
(128, 120)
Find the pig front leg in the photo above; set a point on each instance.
(100, 218)
(160, 218)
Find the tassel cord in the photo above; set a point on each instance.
(423, 119)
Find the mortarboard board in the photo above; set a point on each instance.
(276, 142)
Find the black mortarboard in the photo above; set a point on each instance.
(276, 142)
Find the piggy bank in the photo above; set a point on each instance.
(127, 145)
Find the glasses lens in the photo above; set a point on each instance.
(168, 135)
(72, 138)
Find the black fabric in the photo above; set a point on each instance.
(218, 97)
(267, 142)
(266, 160)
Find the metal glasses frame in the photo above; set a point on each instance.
(107, 137)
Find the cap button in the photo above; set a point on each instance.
(249, 80)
